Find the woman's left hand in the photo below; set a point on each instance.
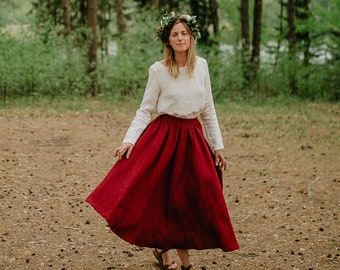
(124, 149)
(220, 161)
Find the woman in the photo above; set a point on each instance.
(165, 191)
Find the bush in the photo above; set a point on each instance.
(31, 67)
(126, 73)
(45, 64)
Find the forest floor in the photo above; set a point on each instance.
(281, 188)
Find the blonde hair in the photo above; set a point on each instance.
(169, 55)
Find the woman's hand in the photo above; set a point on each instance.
(220, 161)
(124, 148)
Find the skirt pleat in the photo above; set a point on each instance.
(168, 194)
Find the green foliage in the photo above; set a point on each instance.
(125, 74)
(225, 73)
(43, 63)
(14, 12)
(30, 67)
(315, 81)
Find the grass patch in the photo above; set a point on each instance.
(251, 111)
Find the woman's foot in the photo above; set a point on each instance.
(187, 267)
(172, 266)
(164, 260)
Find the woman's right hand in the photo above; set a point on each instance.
(124, 148)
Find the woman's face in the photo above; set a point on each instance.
(179, 38)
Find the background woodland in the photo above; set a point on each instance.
(103, 48)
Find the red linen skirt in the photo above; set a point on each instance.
(168, 194)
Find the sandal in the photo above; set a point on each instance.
(172, 266)
(186, 268)
(158, 256)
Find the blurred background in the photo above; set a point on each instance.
(260, 49)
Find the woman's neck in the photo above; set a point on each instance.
(181, 59)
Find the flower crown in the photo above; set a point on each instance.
(168, 21)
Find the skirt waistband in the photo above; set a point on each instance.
(177, 119)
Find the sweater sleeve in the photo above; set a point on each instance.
(146, 108)
(208, 115)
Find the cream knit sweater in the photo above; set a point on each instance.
(183, 97)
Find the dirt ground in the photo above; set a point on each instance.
(282, 189)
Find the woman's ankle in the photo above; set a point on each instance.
(167, 259)
(184, 257)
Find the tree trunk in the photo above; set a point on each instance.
(83, 12)
(66, 15)
(281, 32)
(172, 4)
(120, 17)
(213, 5)
(143, 3)
(245, 25)
(156, 3)
(292, 46)
(255, 55)
(200, 9)
(291, 25)
(93, 45)
(245, 43)
(303, 36)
